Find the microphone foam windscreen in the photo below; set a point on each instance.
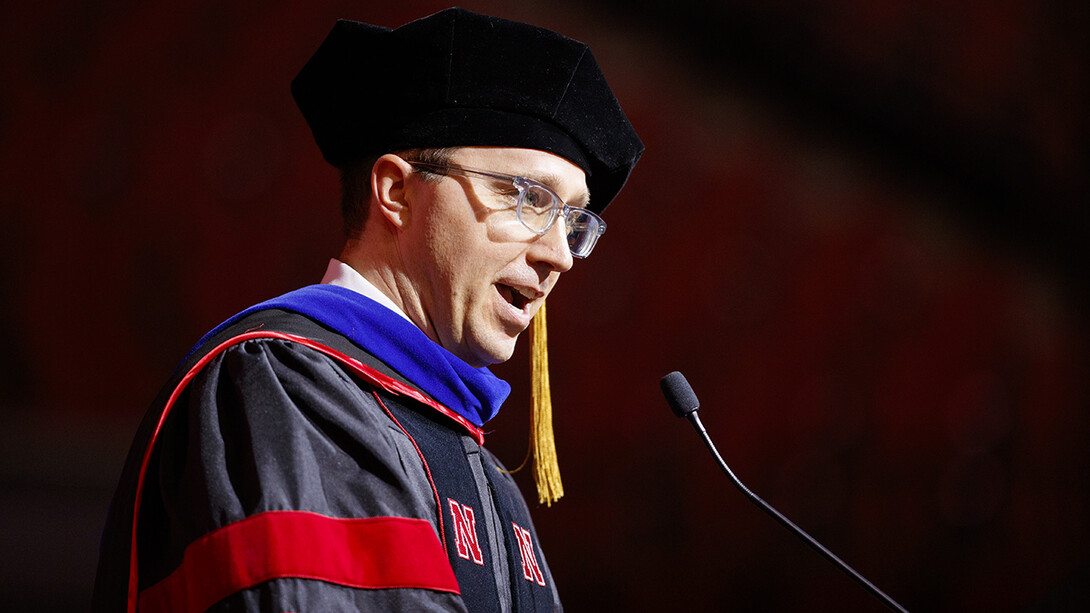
(679, 394)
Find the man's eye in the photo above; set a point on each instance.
(537, 199)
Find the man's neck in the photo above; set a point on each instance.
(344, 275)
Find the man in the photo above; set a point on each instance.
(322, 451)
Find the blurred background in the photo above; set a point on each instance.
(860, 230)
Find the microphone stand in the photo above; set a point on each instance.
(694, 419)
(683, 402)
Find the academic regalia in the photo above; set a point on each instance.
(318, 452)
(287, 466)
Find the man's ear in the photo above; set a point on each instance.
(389, 193)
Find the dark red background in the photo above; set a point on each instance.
(859, 229)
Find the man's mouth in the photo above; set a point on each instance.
(516, 297)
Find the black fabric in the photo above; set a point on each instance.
(449, 467)
(513, 510)
(270, 424)
(464, 79)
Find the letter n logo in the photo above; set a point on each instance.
(465, 532)
(530, 570)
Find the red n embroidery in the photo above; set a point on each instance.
(465, 532)
(530, 570)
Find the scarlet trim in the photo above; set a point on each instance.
(372, 553)
(424, 461)
(366, 372)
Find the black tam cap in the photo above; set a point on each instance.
(464, 79)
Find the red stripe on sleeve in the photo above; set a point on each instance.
(376, 552)
(368, 373)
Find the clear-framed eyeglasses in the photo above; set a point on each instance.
(537, 207)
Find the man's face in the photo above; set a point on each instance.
(479, 276)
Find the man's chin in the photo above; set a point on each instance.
(488, 354)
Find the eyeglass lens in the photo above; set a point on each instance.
(539, 209)
(583, 232)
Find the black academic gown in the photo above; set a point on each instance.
(284, 468)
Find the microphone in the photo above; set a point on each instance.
(681, 398)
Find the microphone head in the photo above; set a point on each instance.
(679, 394)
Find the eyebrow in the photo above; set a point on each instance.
(582, 199)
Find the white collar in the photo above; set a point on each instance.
(339, 273)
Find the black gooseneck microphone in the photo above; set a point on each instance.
(679, 395)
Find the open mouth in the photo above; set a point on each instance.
(514, 296)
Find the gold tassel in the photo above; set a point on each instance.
(542, 443)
